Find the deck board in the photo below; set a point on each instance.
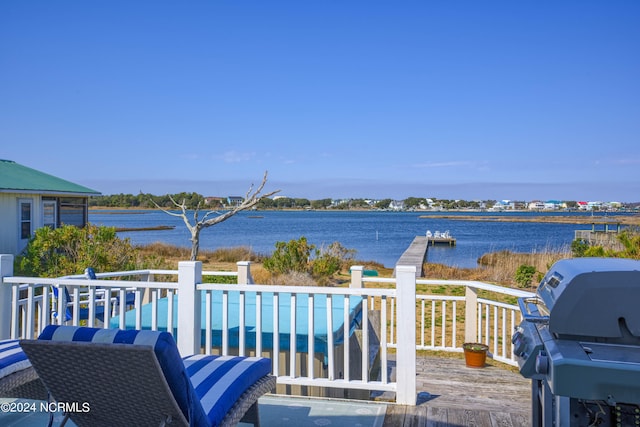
(395, 415)
(450, 394)
(435, 417)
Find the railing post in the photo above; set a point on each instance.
(471, 315)
(146, 294)
(6, 270)
(244, 273)
(189, 307)
(356, 276)
(406, 321)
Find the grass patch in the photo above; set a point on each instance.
(171, 255)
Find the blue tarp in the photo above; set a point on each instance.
(320, 319)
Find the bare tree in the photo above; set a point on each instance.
(250, 200)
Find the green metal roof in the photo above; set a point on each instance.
(15, 177)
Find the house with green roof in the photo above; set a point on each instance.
(30, 199)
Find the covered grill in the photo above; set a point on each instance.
(579, 342)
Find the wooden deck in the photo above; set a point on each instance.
(415, 254)
(450, 394)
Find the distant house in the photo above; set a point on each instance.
(396, 205)
(536, 205)
(503, 205)
(234, 200)
(552, 205)
(30, 199)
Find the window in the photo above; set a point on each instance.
(73, 211)
(49, 213)
(25, 219)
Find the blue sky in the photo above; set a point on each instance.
(448, 99)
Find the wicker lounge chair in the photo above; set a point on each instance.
(116, 377)
(17, 376)
(130, 297)
(83, 311)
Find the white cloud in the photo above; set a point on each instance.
(236, 156)
(429, 165)
(626, 161)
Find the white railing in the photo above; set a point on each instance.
(316, 329)
(335, 346)
(445, 322)
(72, 300)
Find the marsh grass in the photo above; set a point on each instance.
(174, 254)
(496, 267)
(501, 267)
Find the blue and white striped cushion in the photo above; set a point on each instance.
(216, 382)
(12, 358)
(219, 381)
(164, 347)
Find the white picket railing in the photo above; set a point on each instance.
(337, 361)
(447, 321)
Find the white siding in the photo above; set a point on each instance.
(9, 219)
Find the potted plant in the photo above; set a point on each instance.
(475, 354)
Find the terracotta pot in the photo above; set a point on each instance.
(475, 354)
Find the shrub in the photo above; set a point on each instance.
(595, 251)
(69, 250)
(298, 256)
(289, 257)
(579, 247)
(220, 279)
(630, 240)
(524, 275)
(629, 247)
(295, 279)
(325, 266)
(331, 259)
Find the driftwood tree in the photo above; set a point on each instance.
(251, 199)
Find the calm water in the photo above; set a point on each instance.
(376, 236)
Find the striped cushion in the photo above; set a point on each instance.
(12, 358)
(219, 381)
(165, 350)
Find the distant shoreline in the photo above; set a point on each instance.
(569, 219)
(119, 211)
(557, 219)
(152, 228)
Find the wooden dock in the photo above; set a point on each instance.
(449, 241)
(439, 238)
(416, 254)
